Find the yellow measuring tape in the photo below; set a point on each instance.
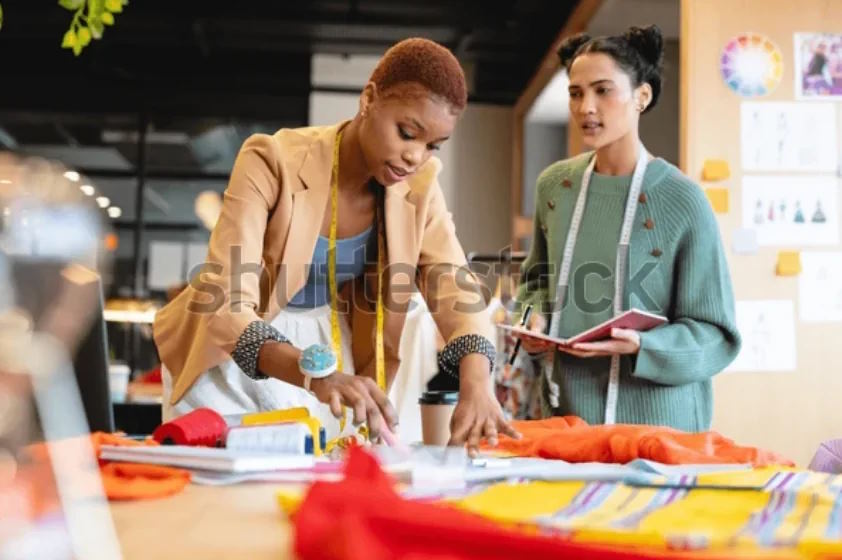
(336, 333)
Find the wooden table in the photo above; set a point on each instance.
(207, 522)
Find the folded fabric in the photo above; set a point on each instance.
(362, 517)
(572, 439)
(828, 457)
(123, 481)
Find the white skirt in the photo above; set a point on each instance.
(227, 390)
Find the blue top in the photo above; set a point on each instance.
(351, 255)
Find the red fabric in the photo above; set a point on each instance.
(571, 439)
(151, 376)
(362, 517)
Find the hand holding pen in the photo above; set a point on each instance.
(523, 322)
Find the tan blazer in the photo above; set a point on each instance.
(262, 245)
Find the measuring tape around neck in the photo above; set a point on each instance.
(336, 333)
(620, 270)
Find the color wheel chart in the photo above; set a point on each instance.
(751, 65)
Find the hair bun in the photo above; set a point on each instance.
(649, 42)
(570, 46)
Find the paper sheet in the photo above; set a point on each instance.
(792, 210)
(789, 263)
(789, 136)
(719, 199)
(165, 261)
(767, 328)
(820, 287)
(744, 241)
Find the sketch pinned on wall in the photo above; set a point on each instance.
(820, 287)
(789, 137)
(791, 210)
(767, 328)
(818, 66)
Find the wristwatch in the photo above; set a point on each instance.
(316, 362)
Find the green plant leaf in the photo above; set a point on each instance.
(1, 16)
(71, 4)
(84, 36)
(69, 39)
(77, 48)
(96, 8)
(96, 28)
(115, 6)
(107, 18)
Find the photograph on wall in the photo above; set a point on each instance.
(781, 136)
(818, 66)
(791, 211)
(767, 328)
(820, 287)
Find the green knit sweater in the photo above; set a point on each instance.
(676, 267)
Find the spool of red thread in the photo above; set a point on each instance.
(202, 426)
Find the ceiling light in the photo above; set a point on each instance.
(114, 212)
(87, 189)
(71, 176)
(103, 201)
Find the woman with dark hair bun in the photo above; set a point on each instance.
(618, 228)
(323, 235)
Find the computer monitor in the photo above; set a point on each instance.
(37, 284)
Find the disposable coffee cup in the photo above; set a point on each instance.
(436, 410)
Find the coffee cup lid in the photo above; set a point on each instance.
(439, 397)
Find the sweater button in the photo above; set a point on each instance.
(567, 183)
(657, 252)
(649, 224)
(642, 198)
(550, 204)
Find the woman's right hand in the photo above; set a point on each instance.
(369, 402)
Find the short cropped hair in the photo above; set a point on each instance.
(427, 64)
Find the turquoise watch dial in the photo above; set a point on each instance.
(317, 360)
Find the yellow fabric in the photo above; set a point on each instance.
(797, 511)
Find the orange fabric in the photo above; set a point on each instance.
(571, 439)
(133, 481)
(126, 481)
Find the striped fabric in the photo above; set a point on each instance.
(789, 511)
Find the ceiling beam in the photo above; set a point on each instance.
(578, 21)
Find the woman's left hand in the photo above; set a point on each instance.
(622, 341)
(478, 414)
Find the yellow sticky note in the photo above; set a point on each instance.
(719, 199)
(789, 263)
(715, 170)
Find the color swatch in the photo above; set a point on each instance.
(751, 65)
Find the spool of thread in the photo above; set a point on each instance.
(202, 427)
(290, 438)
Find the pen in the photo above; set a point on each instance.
(524, 318)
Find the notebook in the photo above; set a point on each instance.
(207, 458)
(632, 319)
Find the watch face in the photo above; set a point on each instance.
(317, 360)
